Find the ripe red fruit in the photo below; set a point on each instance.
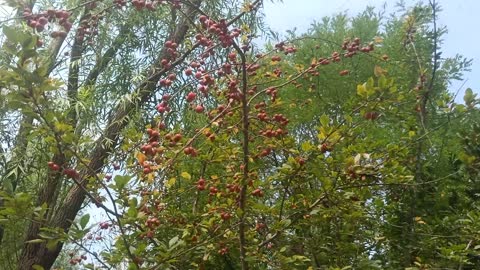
(166, 97)
(72, 173)
(199, 109)
(257, 193)
(188, 150)
(259, 226)
(213, 190)
(344, 72)
(325, 147)
(191, 96)
(203, 18)
(188, 72)
(301, 161)
(276, 58)
(371, 115)
(161, 109)
(201, 182)
(177, 137)
(225, 216)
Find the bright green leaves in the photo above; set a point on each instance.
(470, 98)
(19, 36)
(121, 181)
(84, 221)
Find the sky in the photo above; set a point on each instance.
(460, 17)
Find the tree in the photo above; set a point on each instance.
(326, 150)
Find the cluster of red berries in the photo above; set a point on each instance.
(75, 261)
(219, 29)
(104, 225)
(163, 106)
(270, 133)
(40, 20)
(190, 151)
(281, 46)
(150, 148)
(201, 184)
(353, 46)
(88, 28)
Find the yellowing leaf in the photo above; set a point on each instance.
(361, 90)
(419, 220)
(171, 182)
(186, 175)
(141, 158)
(150, 178)
(378, 39)
(379, 71)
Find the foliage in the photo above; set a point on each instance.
(335, 149)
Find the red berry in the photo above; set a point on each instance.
(344, 72)
(191, 96)
(199, 109)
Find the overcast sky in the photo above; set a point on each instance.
(460, 16)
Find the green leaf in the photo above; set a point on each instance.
(469, 97)
(35, 241)
(121, 181)
(37, 267)
(10, 33)
(324, 120)
(173, 241)
(84, 221)
(382, 82)
(285, 222)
